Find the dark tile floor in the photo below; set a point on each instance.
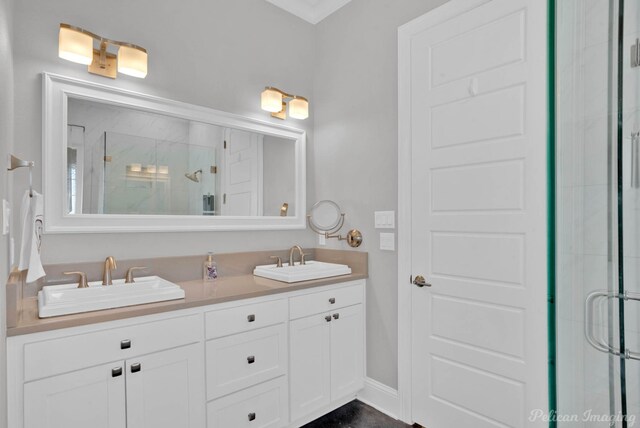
(356, 415)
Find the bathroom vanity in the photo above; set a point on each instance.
(241, 352)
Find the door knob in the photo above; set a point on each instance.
(421, 282)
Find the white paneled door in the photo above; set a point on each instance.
(242, 173)
(477, 130)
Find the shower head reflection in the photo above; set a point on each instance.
(194, 176)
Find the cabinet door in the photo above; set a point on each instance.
(310, 377)
(166, 389)
(93, 397)
(347, 351)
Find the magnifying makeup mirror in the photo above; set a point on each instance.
(326, 218)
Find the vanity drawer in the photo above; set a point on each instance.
(242, 360)
(262, 406)
(328, 300)
(244, 318)
(66, 354)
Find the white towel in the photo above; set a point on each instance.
(32, 216)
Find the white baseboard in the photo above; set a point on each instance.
(381, 397)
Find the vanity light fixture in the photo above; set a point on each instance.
(76, 44)
(274, 100)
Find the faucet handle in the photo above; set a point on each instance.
(82, 283)
(302, 260)
(279, 264)
(129, 277)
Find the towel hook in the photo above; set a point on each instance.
(15, 163)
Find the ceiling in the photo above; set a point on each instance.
(312, 11)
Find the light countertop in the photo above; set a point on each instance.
(197, 293)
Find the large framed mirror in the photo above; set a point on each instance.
(120, 161)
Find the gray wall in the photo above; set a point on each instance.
(218, 54)
(355, 150)
(6, 145)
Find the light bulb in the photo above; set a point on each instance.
(299, 108)
(75, 46)
(271, 100)
(132, 61)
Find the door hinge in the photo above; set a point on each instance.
(225, 144)
(410, 279)
(224, 198)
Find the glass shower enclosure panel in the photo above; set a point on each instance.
(629, 197)
(149, 176)
(597, 213)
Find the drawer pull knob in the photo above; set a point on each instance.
(125, 344)
(332, 300)
(116, 372)
(328, 318)
(251, 318)
(252, 416)
(251, 359)
(336, 316)
(136, 367)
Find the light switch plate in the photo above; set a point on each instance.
(6, 216)
(388, 241)
(385, 219)
(322, 240)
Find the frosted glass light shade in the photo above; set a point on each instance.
(132, 61)
(271, 100)
(299, 108)
(75, 46)
(136, 167)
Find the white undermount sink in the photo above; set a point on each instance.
(64, 299)
(298, 272)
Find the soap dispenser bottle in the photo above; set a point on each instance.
(210, 270)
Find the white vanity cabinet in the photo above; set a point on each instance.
(145, 375)
(270, 362)
(326, 349)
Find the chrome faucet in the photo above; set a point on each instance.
(296, 247)
(109, 265)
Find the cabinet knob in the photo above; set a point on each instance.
(336, 316)
(251, 359)
(332, 300)
(136, 367)
(116, 372)
(328, 318)
(251, 318)
(252, 416)
(125, 344)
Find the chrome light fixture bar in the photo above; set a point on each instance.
(275, 101)
(76, 44)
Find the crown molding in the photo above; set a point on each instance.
(310, 10)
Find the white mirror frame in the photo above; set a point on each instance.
(58, 89)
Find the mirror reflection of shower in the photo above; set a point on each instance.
(194, 176)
